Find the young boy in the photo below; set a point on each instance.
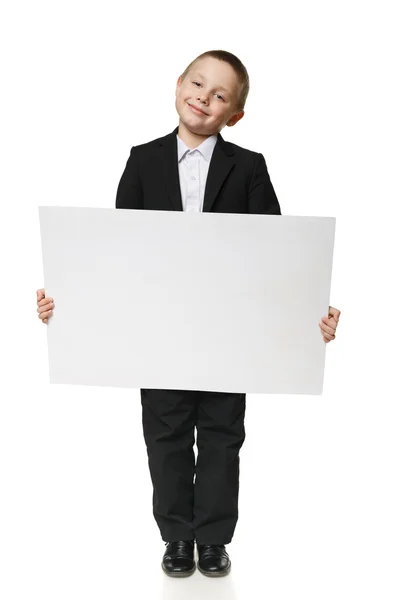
(194, 169)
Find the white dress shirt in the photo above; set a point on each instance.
(193, 168)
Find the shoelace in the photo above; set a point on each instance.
(208, 549)
(178, 548)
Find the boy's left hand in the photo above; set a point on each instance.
(328, 324)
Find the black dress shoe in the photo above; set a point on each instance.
(178, 559)
(213, 560)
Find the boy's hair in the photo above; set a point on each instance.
(237, 66)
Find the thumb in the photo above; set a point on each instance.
(40, 294)
(335, 313)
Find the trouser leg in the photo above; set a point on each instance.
(220, 435)
(168, 426)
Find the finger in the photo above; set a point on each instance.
(328, 336)
(43, 309)
(45, 301)
(46, 314)
(328, 325)
(327, 332)
(334, 312)
(40, 294)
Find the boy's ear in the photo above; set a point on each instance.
(178, 83)
(235, 118)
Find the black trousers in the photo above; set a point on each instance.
(194, 501)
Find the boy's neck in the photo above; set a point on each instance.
(192, 140)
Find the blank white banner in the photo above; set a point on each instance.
(195, 301)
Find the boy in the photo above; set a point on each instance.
(194, 169)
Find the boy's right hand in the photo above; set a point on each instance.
(45, 306)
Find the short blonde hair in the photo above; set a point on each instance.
(238, 67)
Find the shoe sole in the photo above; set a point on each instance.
(214, 573)
(178, 573)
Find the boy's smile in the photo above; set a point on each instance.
(206, 100)
(197, 110)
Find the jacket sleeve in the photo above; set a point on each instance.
(262, 198)
(129, 192)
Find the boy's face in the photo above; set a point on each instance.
(212, 86)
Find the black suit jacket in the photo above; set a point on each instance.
(237, 181)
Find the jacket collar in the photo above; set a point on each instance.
(222, 161)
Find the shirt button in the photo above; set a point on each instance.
(193, 177)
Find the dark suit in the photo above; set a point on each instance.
(207, 509)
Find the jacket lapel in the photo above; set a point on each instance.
(222, 161)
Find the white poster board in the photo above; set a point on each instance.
(179, 300)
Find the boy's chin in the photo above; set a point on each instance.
(194, 127)
(198, 130)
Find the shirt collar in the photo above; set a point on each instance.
(206, 148)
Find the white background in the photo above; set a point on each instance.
(83, 82)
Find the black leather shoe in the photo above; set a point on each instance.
(213, 560)
(178, 559)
